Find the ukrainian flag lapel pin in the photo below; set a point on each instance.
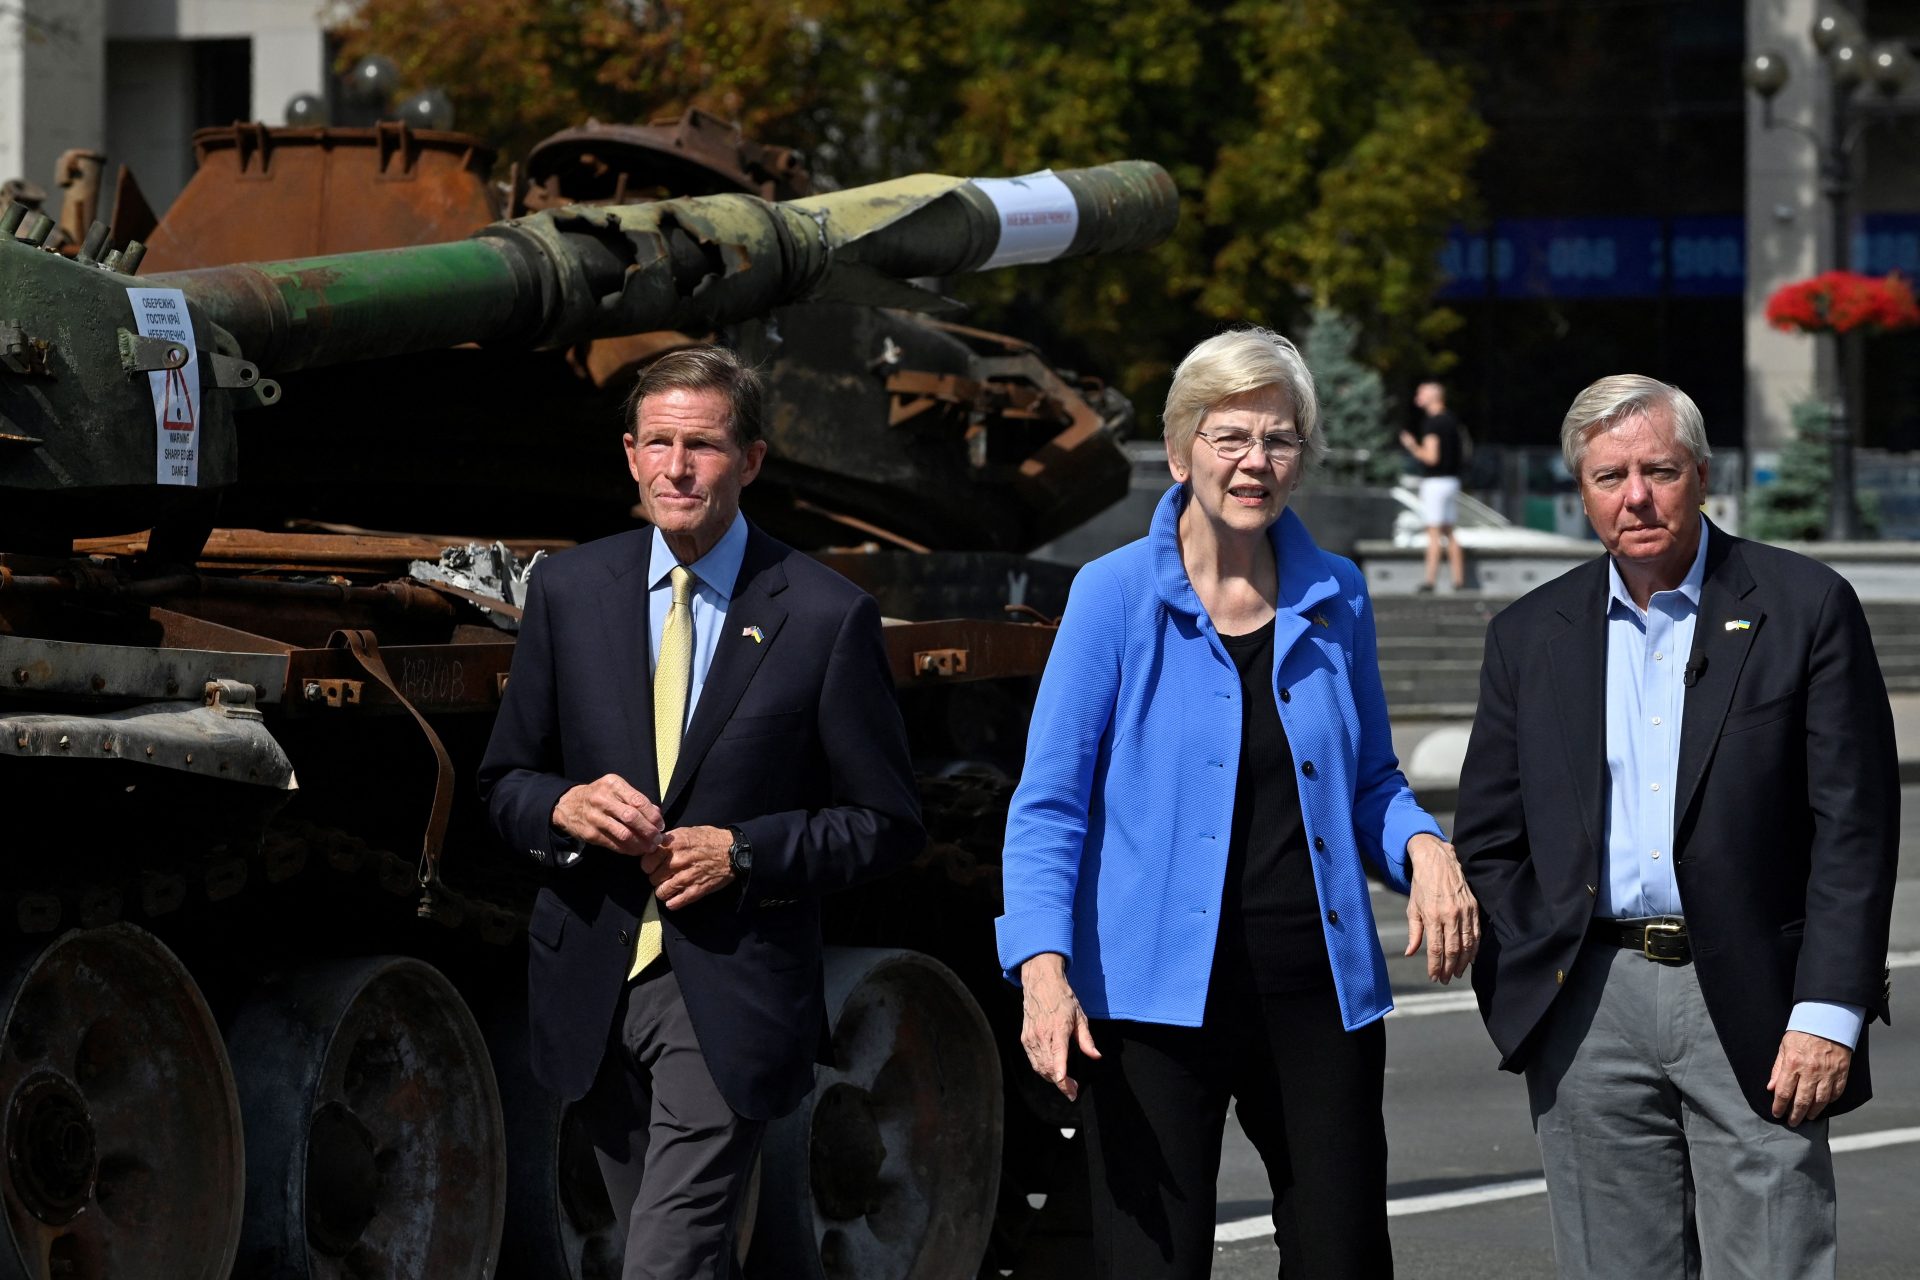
(1320, 620)
(753, 633)
(1739, 624)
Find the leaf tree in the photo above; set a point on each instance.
(1320, 153)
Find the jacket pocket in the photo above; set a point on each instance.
(548, 923)
(1754, 717)
(762, 726)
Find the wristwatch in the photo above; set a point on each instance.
(740, 854)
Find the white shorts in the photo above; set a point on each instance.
(1440, 500)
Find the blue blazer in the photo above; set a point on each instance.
(1116, 851)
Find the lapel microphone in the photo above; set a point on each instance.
(1696, 665)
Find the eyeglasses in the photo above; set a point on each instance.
(1281, 447)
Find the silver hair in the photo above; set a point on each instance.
(1229, 364)
(1614, 399)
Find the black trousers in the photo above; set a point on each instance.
(1307, 1093)
(675, 1157)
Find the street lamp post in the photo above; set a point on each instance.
(1837, 39)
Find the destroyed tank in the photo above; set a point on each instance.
(263, 1013)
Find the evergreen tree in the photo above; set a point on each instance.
(1353, 402)
(1794, 507)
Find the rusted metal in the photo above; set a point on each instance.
(963, 649)
(333, 693)
(122, 1128)
(374, 1145)
(891, 1166)
(259, 551)
(438, 679)
(944, 663)
(365, 648)
(694, 154)
(353, 189)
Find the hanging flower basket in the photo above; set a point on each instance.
(1844, 302)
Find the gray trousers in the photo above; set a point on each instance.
(675, 1157)
(1656, 1167)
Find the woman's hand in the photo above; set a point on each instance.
(1441, 909)
(1053, 1022)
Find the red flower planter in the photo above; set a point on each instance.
(1844, 302)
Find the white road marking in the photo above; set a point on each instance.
(1425, 1002)
(1878, 1138)
(1467, 1197)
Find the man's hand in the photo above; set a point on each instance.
(1441, 909)
(1809, 1074)
(1053, 1021)
(611, 814)
(689, 864)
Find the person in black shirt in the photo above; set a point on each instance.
(1438, 450)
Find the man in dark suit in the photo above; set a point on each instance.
(1680, 811)
(699, 737)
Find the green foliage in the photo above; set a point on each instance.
(1794, 507)
(1320, 154)
(1353, 402)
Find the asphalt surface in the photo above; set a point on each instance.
(1458, 1131)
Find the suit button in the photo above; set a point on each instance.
(1560, 975)
(626, 939)
(1319, 845)
(1333, 917)
(1309, 770)
(1286, 695)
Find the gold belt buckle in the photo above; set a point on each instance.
(1666, 927)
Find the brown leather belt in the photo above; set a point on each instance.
(1662, 939)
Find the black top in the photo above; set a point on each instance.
(1447, 427)
(1270, 934)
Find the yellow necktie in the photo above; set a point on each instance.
(672, 680)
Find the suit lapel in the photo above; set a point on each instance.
(1722, 600)
(1577, 659)
(736, 655)
(623, 615)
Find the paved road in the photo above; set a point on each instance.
(1458, 1126)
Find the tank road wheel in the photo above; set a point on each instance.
(374, 1139)
(560, 1225)
(890, 1168)
(122, 1131)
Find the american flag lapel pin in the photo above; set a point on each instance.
(753, 633)
(1739, 624)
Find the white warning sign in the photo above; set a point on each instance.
(1038, 218)
(162, 313)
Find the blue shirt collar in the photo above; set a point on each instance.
(1617, 594)
(718, 570)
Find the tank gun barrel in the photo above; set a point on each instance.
(567, 275)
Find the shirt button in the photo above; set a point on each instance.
(1333, 917)
(1656, 719)
(1654, 854)
(1309, 770)
(1659, 656)
(1286, 695)
(1319, 844)
(1656, 786)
